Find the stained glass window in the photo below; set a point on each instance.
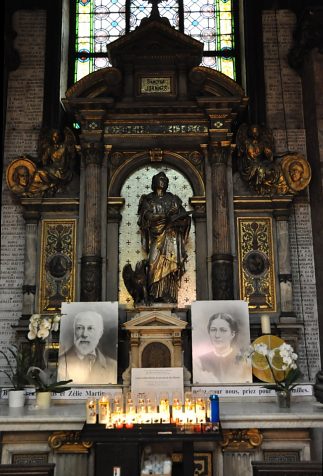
(98, 22)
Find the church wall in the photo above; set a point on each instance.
(285, 117)
(312, 73)
(24, 118)
(318, 72)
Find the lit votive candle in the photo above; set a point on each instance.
(265, 324)
(91, 411)
(104, 409)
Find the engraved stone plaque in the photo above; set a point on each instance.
(158, 85)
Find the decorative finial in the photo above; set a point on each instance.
(154, 10)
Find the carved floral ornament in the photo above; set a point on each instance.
(241, 440)
(68, 442)
(265, 172)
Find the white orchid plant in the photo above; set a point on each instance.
(41, 326)
(282, 364)
(45, 381)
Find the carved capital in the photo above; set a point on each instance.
(91, 278)
(68, 442)
(285, 278)
(29, 289)
(219, 153)
(31, 216)
(107, 151)
(282, 215)
(134, 340)
(241, 440)
(92, 153)
(222, 277)
(199, 206)
(114, 206)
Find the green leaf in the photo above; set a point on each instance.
(273, 387)
(59, 389)
(17, 373)
(7, 360)
(8, 375)
(293, 375)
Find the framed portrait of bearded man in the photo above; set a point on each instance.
(88, 343)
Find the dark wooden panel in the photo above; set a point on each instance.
(303, 468)
(20, 469)
(125, 456)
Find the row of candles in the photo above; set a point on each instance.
(116, 411)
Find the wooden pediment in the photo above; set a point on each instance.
(158, 41)
(155, 319)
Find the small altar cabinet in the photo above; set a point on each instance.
(155, 340)
(111, 445)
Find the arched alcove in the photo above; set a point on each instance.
(156, 354)
(130, 247)
(170, 159)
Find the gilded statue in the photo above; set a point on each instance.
(264, 172)
(296, 171)
(50, 172)
(164, 224)
(19, 175)
(136, 281)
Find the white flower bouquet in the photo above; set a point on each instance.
(282, 364)
(40, 330)
(41, 326)
(43, 379)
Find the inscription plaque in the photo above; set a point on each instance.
(150, 85)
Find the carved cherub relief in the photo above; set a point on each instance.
(51, 171)
(265, 173)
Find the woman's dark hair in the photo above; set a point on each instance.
(225, 317)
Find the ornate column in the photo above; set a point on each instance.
(178, 347)
(114, 218)
(199, 217)
(222, 259)
(134, 344)
(91, 262)
(239, 448)
(284, 267)
(288, 326)
(104, 205)
(29, 286)
(70, 455)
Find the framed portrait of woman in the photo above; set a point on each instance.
(220, 334)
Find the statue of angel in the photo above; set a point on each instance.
(56, 155)
(256, 159)
(51, 171)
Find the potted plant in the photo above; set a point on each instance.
(45, 384)
(41, 329)
(18, 361)
(282, 364)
